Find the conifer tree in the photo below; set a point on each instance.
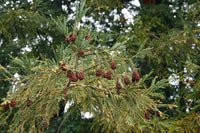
(121, 79)
(97, 78)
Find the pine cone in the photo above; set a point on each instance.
(81, 53)
(113, 65)
(13, 103)
(104, 75)
(118, 86)
(89, 38)
(28, 103)
(73, 37)
(63, 66)
(6, 107)
(67, 39)
(126, 80)
(81, 75)
(69, 73)
(108, 75)
(147, 116)
(99, 72)
(74, 77)
(135, 76)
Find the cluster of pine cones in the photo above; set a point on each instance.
(74, 77)
(6, 106)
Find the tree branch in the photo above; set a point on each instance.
(63, 122)
(67, 87)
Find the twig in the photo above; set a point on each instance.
(90, 68)
(63, 122)
(67, 87)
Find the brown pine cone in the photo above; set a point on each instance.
(126, 80)
(113, 65)
(13, 103)
(81, 53)
(74, 77)
(73, 37)
(62, 66)
(108, 75)
(69, 73)
(81, 75)
(135, 76)
(118, 86)
(89, 38)
(67, 39)
(6, 107)
(28, 103)
(104, 75)
(99, 72)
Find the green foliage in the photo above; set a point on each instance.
(163, 43)
(46, 85)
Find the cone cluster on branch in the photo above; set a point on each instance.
(6, 106)
(74, 77)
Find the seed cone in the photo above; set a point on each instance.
(13, 103)
(118, 86)
(73, 37)
(6, 107)
(113, 65)
(89, 38)
(126, 80)
(192, 83)
(104, 75)
(74, 77)
(147, 116)
(67, 39)
(108, 75)
(81, 75)
(81, 53)
(135, 76)
(28, 103)
(99, 72)
(69, 73)
(63, 66)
